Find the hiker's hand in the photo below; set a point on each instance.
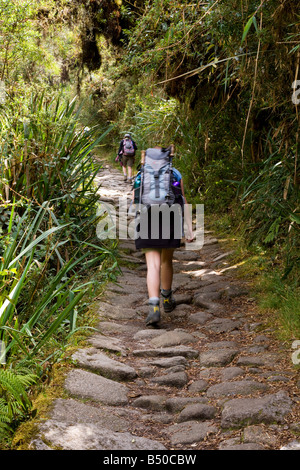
(189, 237)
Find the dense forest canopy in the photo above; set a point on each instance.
(219, 79)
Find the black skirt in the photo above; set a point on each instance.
(159, 227)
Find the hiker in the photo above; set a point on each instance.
(126, 156)
(157, 248)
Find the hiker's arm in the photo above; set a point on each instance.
(189, 235)
(182, 191)
(120, 151)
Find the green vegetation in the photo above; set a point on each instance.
(51, 262)
(215, 78)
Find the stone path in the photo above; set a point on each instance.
(212, 377)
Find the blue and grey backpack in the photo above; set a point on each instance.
(156, 182)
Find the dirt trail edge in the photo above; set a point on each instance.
(212, 377)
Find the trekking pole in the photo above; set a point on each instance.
(172, 151)
(171, 155)
(143, 154)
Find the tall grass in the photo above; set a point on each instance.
(25, 326)
(271, 206)
(282, 302)
(50, 256)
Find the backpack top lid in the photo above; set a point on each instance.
(158, 153)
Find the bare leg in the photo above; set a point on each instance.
(129, 172)
(169, 302)
(167, 268)
(153, 273)
(153, 284)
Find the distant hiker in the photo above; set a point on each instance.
(126, 156)
(159, 195)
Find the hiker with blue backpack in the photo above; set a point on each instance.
(126, 154)
(158, 194)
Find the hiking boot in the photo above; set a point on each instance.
(129, 180)
(169, 303)
(125, 179)
(153, 317)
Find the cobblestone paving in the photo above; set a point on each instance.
(213, 376)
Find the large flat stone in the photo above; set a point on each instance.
(229, 373)
(119, 288)
(197, 412)
(180, 280)
(92, 359)
(240, 412)
(108, 344)
(222, 345)
(86, 384)
(207, 302)
(181, 311)
(183, 299)
(148, 334)
(200, 318)
(110, 327)
(209, 286)
(234, 291)
(73, 412)
(217, 357)
(151, 402)
(203, 298)
(184, 351)
(238, 387)
(261, 434)
(128, 300)
(116, 312)
(175, 379)
(92, 437)
(190, 432)
(186, 255)
(172, 338)
(264, 359)
(169, 362)
(223, 325)
(198, 386)
(178, 403)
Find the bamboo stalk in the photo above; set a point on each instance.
(253, 88)
(297, 133)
